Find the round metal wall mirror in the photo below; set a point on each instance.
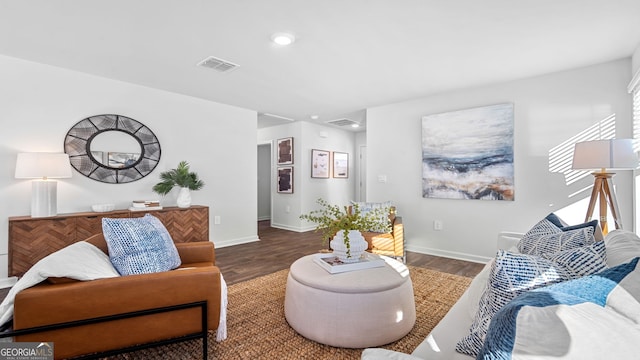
(112, 148)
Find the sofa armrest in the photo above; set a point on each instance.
(384, 354)
(508, 240)
(55, 303)
(197, 252)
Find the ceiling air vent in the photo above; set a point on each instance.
(342, 122)
(217, 64)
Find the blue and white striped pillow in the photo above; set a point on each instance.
(581, 261)
(543, 227)
(514, 274)
(556, 242)
(139, 245)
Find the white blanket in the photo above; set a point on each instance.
(83, 261)
(80, 261)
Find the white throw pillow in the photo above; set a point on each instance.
(81, 261)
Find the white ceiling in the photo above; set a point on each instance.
(349, 54)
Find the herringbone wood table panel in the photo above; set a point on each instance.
(184, 226)
(87, 226)
(31, 239)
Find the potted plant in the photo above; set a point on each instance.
(346, 227)
(182, 177)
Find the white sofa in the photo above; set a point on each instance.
(621, 246)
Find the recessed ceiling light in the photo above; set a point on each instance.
(314, 117)
(355, 125)
(283, 38)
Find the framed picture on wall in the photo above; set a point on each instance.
(285, 180)
(285, 151)
(320, 163)
(468, 154)
(340, 165)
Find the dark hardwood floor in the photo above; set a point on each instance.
(278, 249)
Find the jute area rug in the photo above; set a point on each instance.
(257, 328)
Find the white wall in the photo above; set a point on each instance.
(635, 66)
(360, 166)
(335, 191)
(40, 103)
(307, 136)
(264, 181)
(548, 110)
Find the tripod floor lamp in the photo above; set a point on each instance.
(605, 155)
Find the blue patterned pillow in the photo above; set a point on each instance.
(140, 245)
(571, 320)
(514, 274)
(590, 224)
(553, 243)
(581, 261)
(555, 220)
(543, 227)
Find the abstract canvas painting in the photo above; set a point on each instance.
(468, 154)
(285, 180)
(285, 151)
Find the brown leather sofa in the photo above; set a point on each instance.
(62, 300)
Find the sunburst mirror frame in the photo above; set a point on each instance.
(77, 144)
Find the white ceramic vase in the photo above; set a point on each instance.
(358, 245)
(184, 198)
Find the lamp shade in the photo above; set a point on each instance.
(605, 154)
(42, 165)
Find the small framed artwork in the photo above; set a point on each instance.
(285, 151)
(340, 165)
(320, 164)
(285, 180)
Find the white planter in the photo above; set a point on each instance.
(184, 198)
(358, 245)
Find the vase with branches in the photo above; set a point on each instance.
(345, 225)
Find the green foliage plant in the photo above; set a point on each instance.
(332, 218)
(180, 176)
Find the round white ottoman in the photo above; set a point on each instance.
(354, 309)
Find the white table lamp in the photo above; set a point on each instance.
(604, 155)
(43, 167)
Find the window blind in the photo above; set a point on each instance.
(634, 89)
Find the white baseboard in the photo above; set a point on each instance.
(263, 218)
(231, 242)
(447, 254)
(291, 228)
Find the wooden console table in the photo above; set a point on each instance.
(31, 239)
